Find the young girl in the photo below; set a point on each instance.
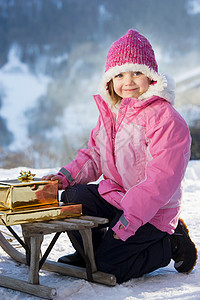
(141, 146)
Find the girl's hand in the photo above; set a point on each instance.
(54, 177)
(115, 235)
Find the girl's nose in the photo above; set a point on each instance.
(129, 79)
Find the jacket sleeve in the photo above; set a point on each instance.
(86, 166)
(169, 148)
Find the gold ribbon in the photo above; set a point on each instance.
(26, 176)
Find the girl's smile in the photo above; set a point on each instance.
(130, 84)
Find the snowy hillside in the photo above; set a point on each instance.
(162, 284)
(21, 88)
(39, 125)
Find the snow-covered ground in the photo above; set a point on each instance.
(164, 283)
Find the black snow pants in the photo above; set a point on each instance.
(144, 252)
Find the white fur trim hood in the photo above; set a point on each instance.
(163, 87)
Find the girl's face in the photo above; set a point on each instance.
(130, 84)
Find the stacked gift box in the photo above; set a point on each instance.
(30, 201)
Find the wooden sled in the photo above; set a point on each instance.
(33, 234)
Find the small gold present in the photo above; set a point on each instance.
(15, 195)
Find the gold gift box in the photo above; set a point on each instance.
(27, 202)
(9, 218)
(15, 195)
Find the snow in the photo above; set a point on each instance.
(164, 283)
(79, 122)
(21, 90)
(190, 113)
(193, 7)
(188, 75)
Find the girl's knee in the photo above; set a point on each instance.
(70, 195)
(109, 268)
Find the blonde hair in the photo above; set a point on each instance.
(115, 99)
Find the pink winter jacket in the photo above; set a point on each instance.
(143, 158)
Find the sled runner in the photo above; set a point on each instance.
(33, 234)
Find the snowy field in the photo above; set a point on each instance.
(164, 283)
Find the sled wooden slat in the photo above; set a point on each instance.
(33, 236)
(96, 220)
(35, 243)
(98, 277)
(25, 287)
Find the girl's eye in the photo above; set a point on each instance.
(137, 73)
(119, 76)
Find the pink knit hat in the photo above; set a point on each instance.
(132, 48)
(132, 52)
